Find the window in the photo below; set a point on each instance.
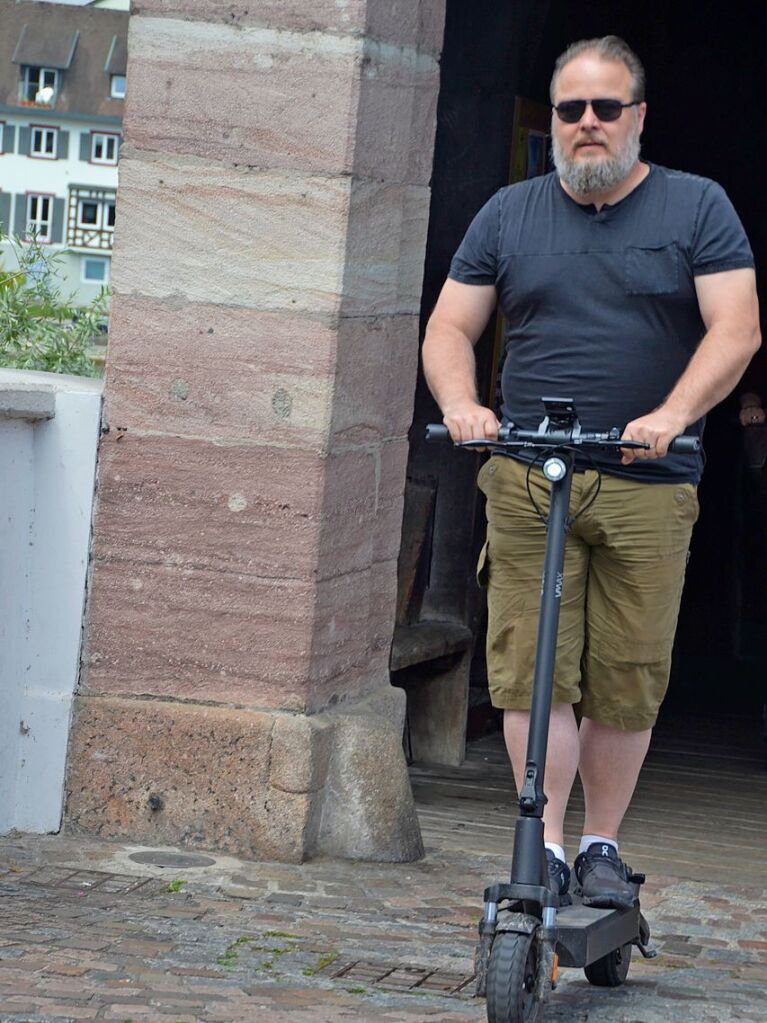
(39, 215)
(117, 87)
(43, 144)
(109, 215)
(88, 213)
(94, 270)
(37, 81)
(2, 125)
(104, 148)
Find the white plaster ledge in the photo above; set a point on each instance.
(25, 394)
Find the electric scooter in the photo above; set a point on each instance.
(526, 934)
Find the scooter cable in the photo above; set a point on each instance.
(541, 456)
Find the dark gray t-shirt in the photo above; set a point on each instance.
(601, 306)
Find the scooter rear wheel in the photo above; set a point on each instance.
(511, 979)
(611, 970)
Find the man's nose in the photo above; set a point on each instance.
(589, 119)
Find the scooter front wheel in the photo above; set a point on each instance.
(511, 979)
(611, 970)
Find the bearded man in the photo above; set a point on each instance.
(629, 288)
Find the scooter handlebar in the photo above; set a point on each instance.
(437, 433)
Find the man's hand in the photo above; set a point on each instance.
(468, 420)
(657, 429)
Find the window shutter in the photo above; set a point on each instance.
(85, 146)
(63, 150)
(5, 212)
(9, 133)
(23, 141)
(20, 215)
(57, 225)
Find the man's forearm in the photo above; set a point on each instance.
(712, 373)
(449, 366)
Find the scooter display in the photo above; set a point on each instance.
(526, 935)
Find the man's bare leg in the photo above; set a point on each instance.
(562, 759)
(609, 768)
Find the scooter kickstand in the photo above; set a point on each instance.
(643, 941)
(647, 952)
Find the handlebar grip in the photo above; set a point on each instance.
(685, 445)
(436, 432)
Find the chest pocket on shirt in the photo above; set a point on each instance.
(652, 270)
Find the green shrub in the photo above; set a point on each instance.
(39, 328)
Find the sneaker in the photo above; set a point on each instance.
(603, 878)
(559, 878)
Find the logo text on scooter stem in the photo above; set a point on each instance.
(557, 586)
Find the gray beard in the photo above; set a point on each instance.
(586, 177)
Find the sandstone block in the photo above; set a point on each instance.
(377, 365)
(253, 511)
(368, 811)
(207, 769)
(301, 748)
(383, 595)
(205, 777)
(289, 99)
(326, 104)
(385, 245)
(418, 23)
(391, 492)
(227, 373)
(263, 240)
(395, 117)
(158, 630)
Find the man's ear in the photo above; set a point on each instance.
(642, 108)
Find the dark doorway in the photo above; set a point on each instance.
(706, 74)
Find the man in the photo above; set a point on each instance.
(629, 288)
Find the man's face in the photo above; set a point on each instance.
(593, 152)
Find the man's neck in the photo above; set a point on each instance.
(636, 176)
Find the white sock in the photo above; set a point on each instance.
(558, 851)
(588, 840)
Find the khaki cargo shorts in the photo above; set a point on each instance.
(625, 560)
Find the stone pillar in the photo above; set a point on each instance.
(263, 345)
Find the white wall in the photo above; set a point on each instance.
(21, 174)
(47, 473)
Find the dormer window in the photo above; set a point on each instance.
(39, 85)
(117, 87)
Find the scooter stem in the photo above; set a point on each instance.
(528, 861)
(532, 799)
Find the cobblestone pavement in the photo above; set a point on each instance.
(90, 934)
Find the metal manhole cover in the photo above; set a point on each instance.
(163, 858)
(82, 881)
(396, 977)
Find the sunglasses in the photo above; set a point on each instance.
(572, 110)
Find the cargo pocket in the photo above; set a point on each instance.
(652, 270)
(483, 566)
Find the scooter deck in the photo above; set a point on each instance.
(585, 934)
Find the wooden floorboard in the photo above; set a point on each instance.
(699, 811)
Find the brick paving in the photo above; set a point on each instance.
(89, 935)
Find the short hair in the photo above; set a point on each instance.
(608, 48)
